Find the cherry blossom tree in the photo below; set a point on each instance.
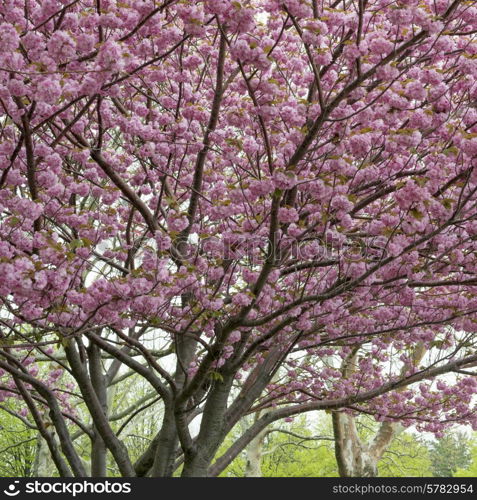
(228, 201)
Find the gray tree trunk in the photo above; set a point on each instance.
(42, 466)
(98, 380)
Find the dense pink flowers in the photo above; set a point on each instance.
(9, 38)
(61, 46)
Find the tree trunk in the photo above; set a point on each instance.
(212, 430)
(354, 457)
(164, 459)
(98, 456)
(42, 466)
(98, 380)
(196, 467)
(253, 467)
(351, 458)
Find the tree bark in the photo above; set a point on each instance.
(254, 451)
(42, 464)
(212, 430)
(117, 448)
(98, 380)
(166, 450)
(354, 457)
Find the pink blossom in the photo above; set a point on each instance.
(9, 38)
(61, 46)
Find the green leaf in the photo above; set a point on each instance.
(447, 203)
(416, 213)
(14, 221)
(216, 376)
(78, 243)
(451, 151)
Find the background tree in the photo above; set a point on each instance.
(18, 450)
(305, 448)
(450, 453)
(471, 469)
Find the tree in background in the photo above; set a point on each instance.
(226, 200)
(18, 447)
(299, 451)
(471, 470)
(358, 454)
(299, 448)
(450, 453)
(306, 449)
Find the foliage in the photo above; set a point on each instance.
(408, 456)
(471, 469)
(17, 446)
(449, 454)
(290, 451)
(286, 455)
